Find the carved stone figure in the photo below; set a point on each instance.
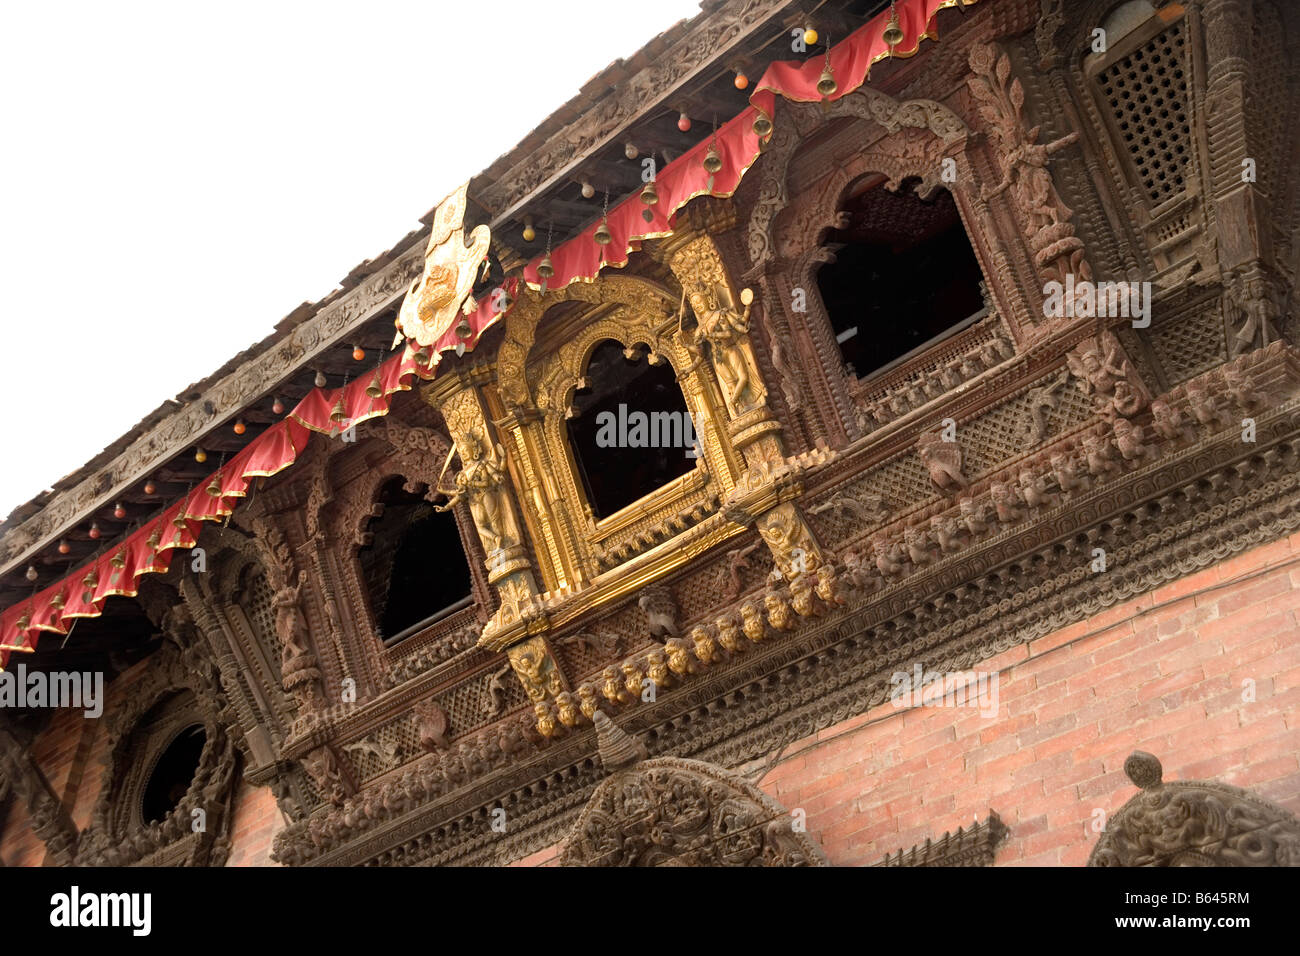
(946, 532)
(1168, 422)
(1034, 490)
(1128, 439)
(1006, 502)
(431, 724)
(943, 459)
(972, 515)
(726, 330)
(1104, 373)
(660, 611)
(482, 480)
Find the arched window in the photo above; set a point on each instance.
(629, 428)
(904, 275)
(172, 774)
(414, 567)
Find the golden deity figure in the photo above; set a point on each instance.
(482, 480)
(726, 330)
(451, 267)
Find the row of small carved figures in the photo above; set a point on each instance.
(927, 385)
(1041, 483)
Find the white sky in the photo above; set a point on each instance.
(175, 177)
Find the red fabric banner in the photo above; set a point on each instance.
(581, 258)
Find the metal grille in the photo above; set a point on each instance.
(1147, 94)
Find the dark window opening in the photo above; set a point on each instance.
(173, 774)
(904, 273)
(631, 434)
(415, 566)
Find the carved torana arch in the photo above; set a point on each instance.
(1194, 823)
(671, 811)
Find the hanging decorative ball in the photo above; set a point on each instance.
(742, 81)
(31, 573)
(149, 487)
(762, 125)
(277, 407)
(240, 427)
(630, 151)
(588, 190)
(810, 37)
(602, 234)
(118, 511)
(94, 531)
(200, 456)
(64, 547)
(320, 379)
(358, 354)
(529, 232)
(544, 268)
(684, 123)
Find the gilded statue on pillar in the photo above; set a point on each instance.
(726, 330)
(482, 480)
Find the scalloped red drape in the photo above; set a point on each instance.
(149, 549)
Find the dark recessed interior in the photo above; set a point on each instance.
(904, 272)
(173, 774)
(415, 565)
(616, 476)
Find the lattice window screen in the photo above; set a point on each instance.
(1147, 94)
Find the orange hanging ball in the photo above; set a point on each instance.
(240, 428)
(358, 353)
(742, 81)
(684, 123)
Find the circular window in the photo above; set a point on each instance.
(173, 774)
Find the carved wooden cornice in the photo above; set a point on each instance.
(715, 35)
(167, 438)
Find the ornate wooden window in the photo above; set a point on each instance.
(903, 275)
(414, 567)
(629, 430)
(173, 772)
(1142, 85)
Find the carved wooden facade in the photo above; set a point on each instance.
(828, 534)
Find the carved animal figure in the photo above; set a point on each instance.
(918, 545)
(729, 635)
(1065, 471)
(1034, 489)
(736, 560)
(1168, 422)
(778, 612)
(828, 587)
(889, 559)
(1006, 502)
(752, 622)
(1128, 439)
(431, 724)
(946, 532)
(943, 459)
(661, 611)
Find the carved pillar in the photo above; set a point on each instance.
(50, 820)
(483, 480)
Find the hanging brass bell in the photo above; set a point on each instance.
(154, 538)
(376, 387)
(90, 581)
(463, 328)
(826, 84)
(762, 125)
(893, 34)
(118, 560)
(339, 411)
(544, 268)
(422, 357)
(650, 195)
(58, 601)
(602, 234)
(24, 622)
(214, 487)
(712, 159)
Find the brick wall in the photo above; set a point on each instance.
(1166, 673)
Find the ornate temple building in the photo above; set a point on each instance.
(845, 433)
